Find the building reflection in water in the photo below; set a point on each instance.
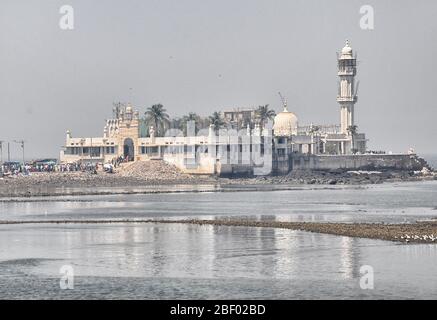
(209, 251)
(182, 250)
(257, 252)
(286, 262)
(349, 258)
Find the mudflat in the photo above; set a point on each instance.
(419, 232)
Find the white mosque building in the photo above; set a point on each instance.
(289, 145)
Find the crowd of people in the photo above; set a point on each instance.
(16, 168)
(117, 161)
(11, 168)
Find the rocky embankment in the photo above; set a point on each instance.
(344, 177)
(156, 172)
(419, 232)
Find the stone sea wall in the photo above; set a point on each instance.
(282, 165)
(358, 162)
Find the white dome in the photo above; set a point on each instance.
(285, 123)
(347, 50)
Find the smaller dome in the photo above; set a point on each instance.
(285, 123)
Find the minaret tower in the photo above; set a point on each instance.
(347, 69)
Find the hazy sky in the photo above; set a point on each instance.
(205, 55)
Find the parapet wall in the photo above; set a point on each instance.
(358, 162)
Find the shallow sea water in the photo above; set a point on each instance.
(171, 261)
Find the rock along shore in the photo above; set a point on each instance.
(159, 173)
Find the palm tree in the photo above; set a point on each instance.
(157, 116)
(352, 130)
(190, 117)
(314, 130)
(175, 123)
(203, 122)
(217, 121)
(264, 114)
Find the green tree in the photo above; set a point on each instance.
(352, 130)
(157, 116)
(217, 121)
(175, 123)
(264, 114)
(190, 117)
(314, 130)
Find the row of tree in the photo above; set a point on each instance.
(158, 117)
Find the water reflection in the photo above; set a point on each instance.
(249, 262)
(388, 203)
(350, 258)
(219, 261)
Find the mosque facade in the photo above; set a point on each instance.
(284, 146)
